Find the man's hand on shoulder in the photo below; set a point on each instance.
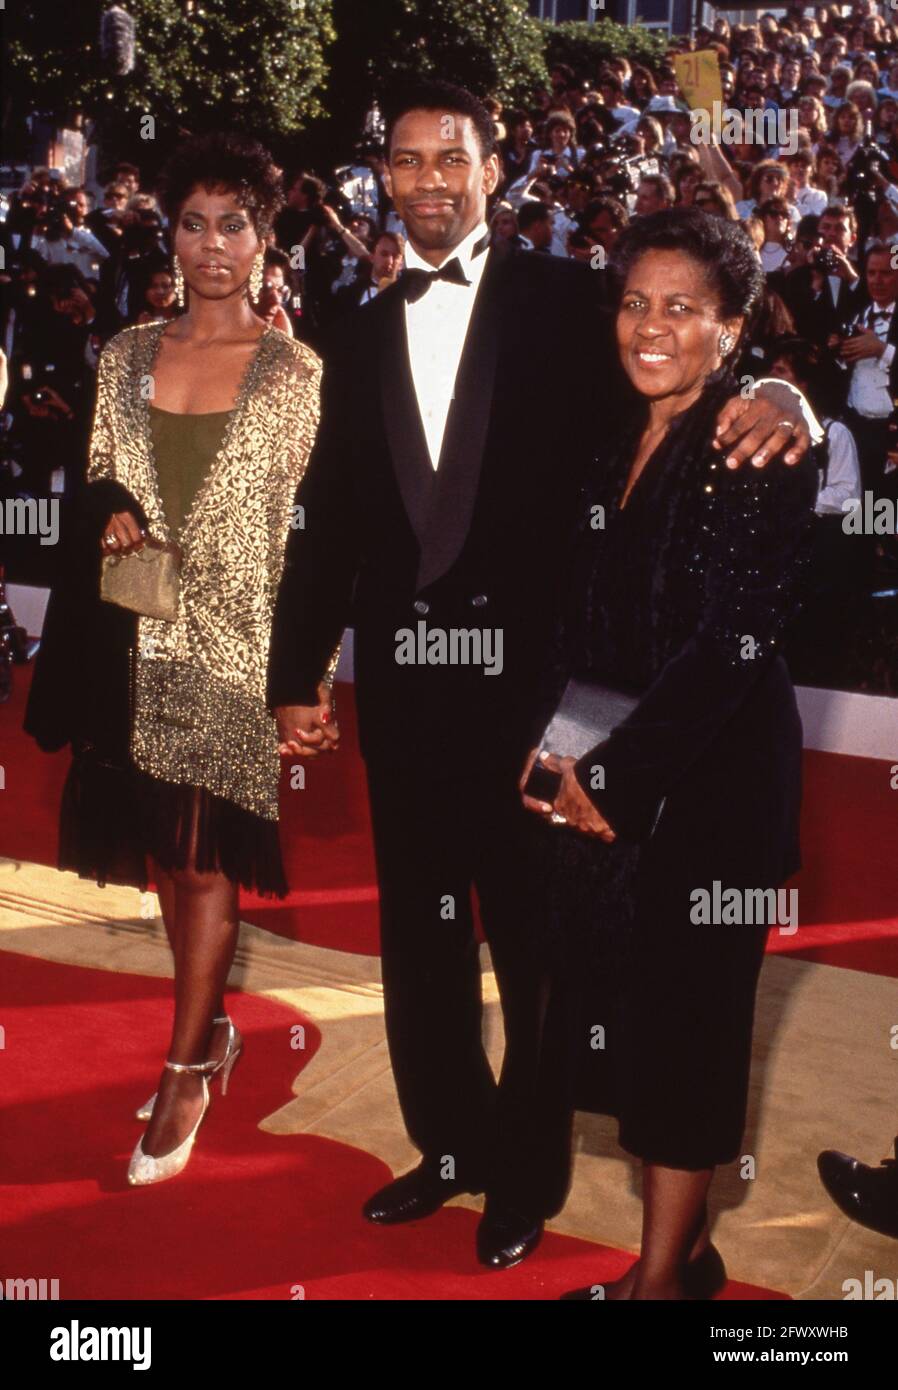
(761, 425)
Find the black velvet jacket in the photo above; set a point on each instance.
(80, 690)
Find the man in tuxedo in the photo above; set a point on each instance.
(385, 264)
(437, 506)
(868, 348)
(819, 296)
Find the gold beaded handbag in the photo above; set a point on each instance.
(147, 581)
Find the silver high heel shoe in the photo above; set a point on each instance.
(145, 1168)
(225, 1066)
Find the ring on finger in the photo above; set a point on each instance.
(786, 425)
(556, 819)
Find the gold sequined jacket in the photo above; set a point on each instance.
(199, 715)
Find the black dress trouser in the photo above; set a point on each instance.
(434, 840)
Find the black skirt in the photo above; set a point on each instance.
(115, 817)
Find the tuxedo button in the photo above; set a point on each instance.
(479, 601)
(421, 607)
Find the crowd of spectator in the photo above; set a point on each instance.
(816, 186)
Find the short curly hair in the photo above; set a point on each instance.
(722, 249)
(229, 160)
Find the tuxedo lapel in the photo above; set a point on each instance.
(405, 432)
(451, 502)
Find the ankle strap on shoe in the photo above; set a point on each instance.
(190, 1066)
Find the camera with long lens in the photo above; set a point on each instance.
(866, 163)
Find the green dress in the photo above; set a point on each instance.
(184, 449)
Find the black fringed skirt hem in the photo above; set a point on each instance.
(114, 819)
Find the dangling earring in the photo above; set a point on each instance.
(257, 276)
(726, 343)
(179, 284)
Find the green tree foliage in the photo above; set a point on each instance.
(585, 47)
(299, 74)
(492, 47)
(199, 64)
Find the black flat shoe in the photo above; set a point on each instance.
(415, 1195)
(703, 1278)
(868, 1195)
(505, 1238)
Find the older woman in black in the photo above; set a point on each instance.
(679, 592)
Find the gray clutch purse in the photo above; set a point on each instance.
(147, 581)
(585, 717)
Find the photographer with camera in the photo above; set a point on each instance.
(867, 349)
(106, 222)
(53, 385)
(561, 155)
(62, 237)
(819, 293)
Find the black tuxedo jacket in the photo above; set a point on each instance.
(816, 316)
(857, 303)
(390, 546)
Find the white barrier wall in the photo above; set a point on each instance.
(840, 721)
(835, 721)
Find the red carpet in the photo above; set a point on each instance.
(254, 1215)
(847, 890)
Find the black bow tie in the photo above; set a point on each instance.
(413, 282)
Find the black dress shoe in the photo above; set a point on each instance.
(505, 1237)
(703, 1278)
(868, 1195)
(409, 1198)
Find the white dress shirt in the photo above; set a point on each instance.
(436, 326)
(843, 474)
(869, 393)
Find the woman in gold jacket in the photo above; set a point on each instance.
(202, 432)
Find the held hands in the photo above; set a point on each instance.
(760, 427)
(572, 804)
(122, 535)
(307, 730)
